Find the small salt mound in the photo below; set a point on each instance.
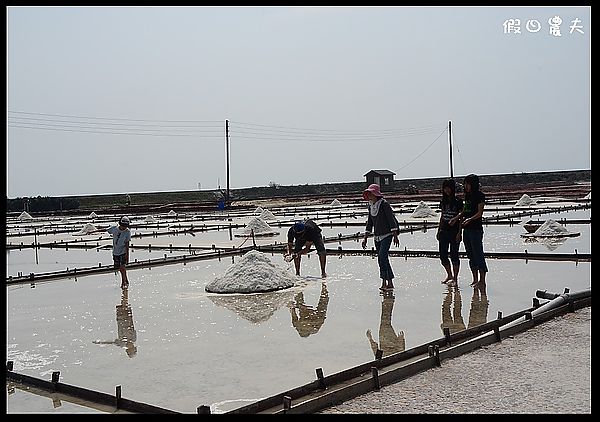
(93, 215)
(423, 211)
(258, 225)
(64, 220)
(550, 228)
(171, 213)
(258, 211)
(150, 219)
(86, 229)
(267, 215)
(588, 196)
(25, 216)
(254, 272)
(525, 200)
(335, 203)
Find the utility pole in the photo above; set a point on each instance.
(227, 153)
(450, 140)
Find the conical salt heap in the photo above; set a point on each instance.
(254, 272)
(550, 228)
(258, 225)
(525, 200)
(423, 211)
(267, 215)
(24, 216)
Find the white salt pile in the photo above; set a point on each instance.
(64, 220)
(254, 272)
(24, 216)
(550, 228)
(267, 215)
(150, 219)
(171, 213)
(588, 196)
(259, 226)
(335, 203)
(88, 228)
(258, 211)
(423, 211)
(93, 215)
(525, 200)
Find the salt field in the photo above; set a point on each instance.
(168, 342)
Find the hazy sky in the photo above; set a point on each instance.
(135, 99)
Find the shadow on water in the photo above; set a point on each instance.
(389, 341)
(126, 334)
(307, 319)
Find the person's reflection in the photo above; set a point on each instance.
(126, 335)
(452, 310)
(479, 306)
(389, 341)
(306, 319)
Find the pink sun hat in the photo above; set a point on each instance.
(374, 189)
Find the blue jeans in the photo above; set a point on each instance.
(383, 258)
(448, 239)
(474, 247)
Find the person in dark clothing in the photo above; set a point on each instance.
(301, 236)
(471, 216)
(449, 230)
(385, 229)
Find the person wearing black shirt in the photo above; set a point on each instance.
(473, 228)
(449, 230)
(301, 236)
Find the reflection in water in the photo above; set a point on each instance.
(389, 341)
(306, 319)
(551, 243)
(254, 307)
(479, 306)
(126, 335)
(452, 318)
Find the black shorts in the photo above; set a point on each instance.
(119, 260)
(318, 244)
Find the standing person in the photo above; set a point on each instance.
(121, 237)
(301, 236)
(449, 230)
(473, 228)
(385, 229)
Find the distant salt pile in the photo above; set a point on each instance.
(258, 211)
(335, 203)
(588, 196)
(423, 211)
(551, 228)
(267, 215)
(254, 272)
(150, 219)
(258, 226)
(88, 228)
(525, 200)
(93, 215)
(64, 220)
(24, 216)
(171, 213)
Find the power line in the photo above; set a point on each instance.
(429, 146)
(114, 118)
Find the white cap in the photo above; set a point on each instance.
(124, 221)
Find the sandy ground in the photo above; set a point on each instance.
(546, 369)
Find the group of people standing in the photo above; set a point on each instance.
(460, 220)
